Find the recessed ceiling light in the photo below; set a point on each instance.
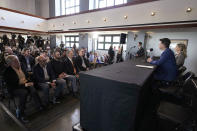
(2, 18)
(74, 22)
(105, 19)
(153, 13)
(189, 9)
(125, 17)
(88, 21)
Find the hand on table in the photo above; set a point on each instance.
(28, 84)
(149, 60)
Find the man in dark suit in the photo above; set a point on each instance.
(140, 51)
(27, 62)
(71, 70)
(81, 61)
(18, 85)
(44, 77)
(166, 70)
(59, 71)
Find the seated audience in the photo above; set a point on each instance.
(91, 57)
(71, 71)
(44, 77)
(18, 85)
(181, 54)
(140, 51)
(81, 61)
(166, 70)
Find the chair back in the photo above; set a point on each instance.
(187, 77)
(181, 70)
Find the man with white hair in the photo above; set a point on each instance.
(18, 85)
(44, 76)
(71, 71)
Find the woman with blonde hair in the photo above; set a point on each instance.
(181, 54)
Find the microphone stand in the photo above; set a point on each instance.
(128, 53)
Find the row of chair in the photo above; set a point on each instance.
(184, 111)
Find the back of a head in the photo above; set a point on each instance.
(9, 59)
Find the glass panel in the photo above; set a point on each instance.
(77, 2)
(107, 46)
(125, 1)
(77, 9)
(68, 11)
(116, 39)
(118, 2)
(72, 39)
(67, 44)
(77, 45)
(68, 3)
(124, 46)
(102, 3)
(72, 10)
(110, 3)
(116, 45)
(67, 39)
(76, 38)
(72, 2)
(72, 44)
(96, 4)
(101, 39)
(100, 46)
(108, 39)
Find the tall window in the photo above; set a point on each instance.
(71, 6)
(71, 40)
(105, 41)
(94, 4)
(66, 7)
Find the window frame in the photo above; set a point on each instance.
(96, 4)
(104, 42)
(75, 6)
(69, 36)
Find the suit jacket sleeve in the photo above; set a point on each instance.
(162, 59)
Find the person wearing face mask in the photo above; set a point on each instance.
(181, 54)
(166, 66)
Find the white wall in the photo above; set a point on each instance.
(12, 19)
(35, 7)
(20, 5)
(189, 33)
(166, 11)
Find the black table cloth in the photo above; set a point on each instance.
(112, 97)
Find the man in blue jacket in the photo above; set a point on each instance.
(166, 66)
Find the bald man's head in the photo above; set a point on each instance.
(42, 60)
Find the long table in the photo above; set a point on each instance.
(115, 97)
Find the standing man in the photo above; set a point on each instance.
(140, 51)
